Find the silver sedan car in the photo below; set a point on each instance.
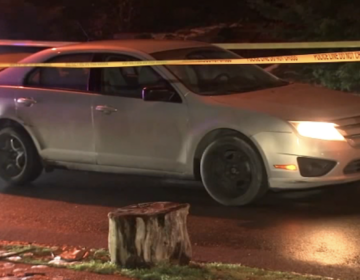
(237, 128)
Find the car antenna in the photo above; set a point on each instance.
(83, 31)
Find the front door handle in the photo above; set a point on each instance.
(106, 109)
(27, 102)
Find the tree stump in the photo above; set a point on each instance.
(147, 234)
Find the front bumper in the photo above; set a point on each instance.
(286, 148)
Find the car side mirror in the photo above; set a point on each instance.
(157, 93)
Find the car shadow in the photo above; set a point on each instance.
(118, 191)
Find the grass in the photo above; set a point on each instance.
(95, 263)
(211, 272)
(97, 267)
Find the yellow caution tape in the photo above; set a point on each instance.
(307, 58)
(293, 45)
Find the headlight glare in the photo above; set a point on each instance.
(318, 130)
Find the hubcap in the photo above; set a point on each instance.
(232, 170)
(13, 156)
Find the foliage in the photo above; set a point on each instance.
(101, 19)
(23, 20)
(321, 20)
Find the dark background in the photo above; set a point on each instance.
(284, 19)
(258, 20)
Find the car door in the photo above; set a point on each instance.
(133, 133)
(56, 106)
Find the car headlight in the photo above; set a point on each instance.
(318, 130)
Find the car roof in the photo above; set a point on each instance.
(146, 46)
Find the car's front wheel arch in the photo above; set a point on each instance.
(214, 135)
(259, 185)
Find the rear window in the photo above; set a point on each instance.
(12, 58)
(62, 78)
(14, 54)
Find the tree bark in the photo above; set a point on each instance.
(148, 234)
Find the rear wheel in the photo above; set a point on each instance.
(19, 159)
(233, 173)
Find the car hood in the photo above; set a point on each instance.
(298, 102)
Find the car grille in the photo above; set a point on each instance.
(350, 129)
(352, 167)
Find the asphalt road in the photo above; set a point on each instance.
(314, 232)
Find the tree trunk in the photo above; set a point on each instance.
(147, 234)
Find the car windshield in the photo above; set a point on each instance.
(217, 79)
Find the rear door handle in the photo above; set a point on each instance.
(27, 102)
(106, 109)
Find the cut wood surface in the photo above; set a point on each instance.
(147, 234)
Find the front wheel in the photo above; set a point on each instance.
(233, 173)
(19, 159)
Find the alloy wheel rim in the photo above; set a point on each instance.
(13, 155)
(233, 170)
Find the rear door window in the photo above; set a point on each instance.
(62, 78)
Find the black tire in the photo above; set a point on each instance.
(233, 172)
(27, 167)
